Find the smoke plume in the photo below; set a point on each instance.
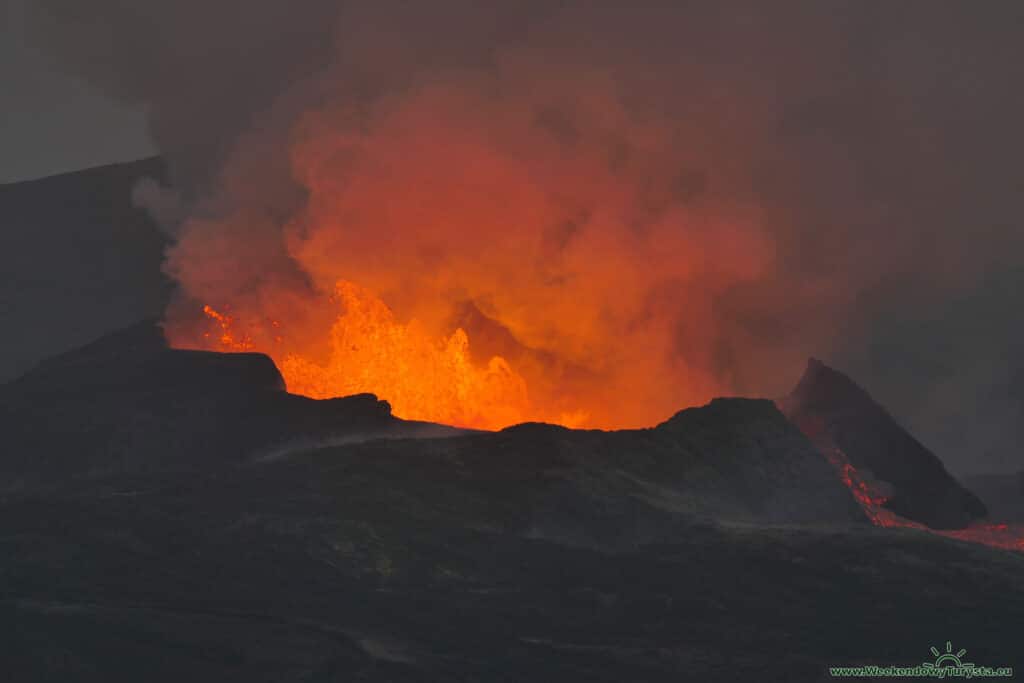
(633, 206)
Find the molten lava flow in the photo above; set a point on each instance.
(1007, 536)
(872, 500)
(867, 494)
(423, 377)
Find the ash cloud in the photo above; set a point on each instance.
(845, 175)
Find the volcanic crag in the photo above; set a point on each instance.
(838, 414)
(77, 259)
(174, 514)
(128, 404)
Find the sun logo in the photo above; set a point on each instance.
(947, 659)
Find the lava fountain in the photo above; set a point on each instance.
(422, 376)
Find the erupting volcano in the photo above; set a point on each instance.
(456, 340)
(480, 250)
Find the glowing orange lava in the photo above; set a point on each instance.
(422, 376)
(227, 338)
(872, 500)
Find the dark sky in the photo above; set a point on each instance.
(881, 140)
(52, 122)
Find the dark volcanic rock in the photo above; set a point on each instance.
(217, 538)
(78, 259)
(137, 361)
(874, 443)
(330, 569)
(734, 460)
(127, 403)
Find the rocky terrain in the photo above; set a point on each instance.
(77, 260)
(916, 485)
(173, 514)
(128, 404)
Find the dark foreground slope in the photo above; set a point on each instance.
(206, 539)
(829, 403)
(323, 569)
(355, 563)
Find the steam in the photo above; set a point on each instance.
(703, 194)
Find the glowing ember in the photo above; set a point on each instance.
(227, 338)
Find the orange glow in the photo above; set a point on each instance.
(226, 338)
(482, 256)
(422, 376)
(872, 501)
